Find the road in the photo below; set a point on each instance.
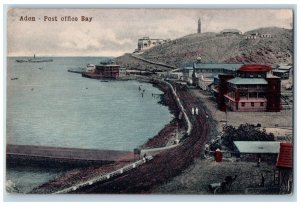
(167, 164)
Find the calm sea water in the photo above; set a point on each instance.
(49, 106)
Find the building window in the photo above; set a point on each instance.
(243, 104)
(261, 104)
(252, 95)
(252, 104)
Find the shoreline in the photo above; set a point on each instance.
(167, 164)
(161, 139)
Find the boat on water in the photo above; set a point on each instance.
(34, 60)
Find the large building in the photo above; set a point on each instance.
(202, 74)
(146, 43)
(237, 87)
(251, 88)
(105, 71)
(230, 32)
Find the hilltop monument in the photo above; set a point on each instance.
(199, 26)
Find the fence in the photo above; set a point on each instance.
(106, 176)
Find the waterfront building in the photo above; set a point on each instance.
(170, 75)
(105, 71)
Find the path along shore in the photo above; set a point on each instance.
(77, 175)
(163, 167)
(166, 164)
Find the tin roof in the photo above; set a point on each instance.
(188, 67)
(257, 146)
(108, 65)
(285, 157)
(239, 80)
(284, 67)
(232, 67)
(280, 71)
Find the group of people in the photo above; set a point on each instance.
(142, 91)
(195, 111)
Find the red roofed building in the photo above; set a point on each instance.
(252, 88)
(285, 156)
(284, 167)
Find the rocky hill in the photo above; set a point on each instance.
(213, 47)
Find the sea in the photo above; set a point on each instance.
(49, 106)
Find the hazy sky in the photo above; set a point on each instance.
(113, 32)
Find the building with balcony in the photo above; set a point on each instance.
(251, 88)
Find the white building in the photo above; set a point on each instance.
(146, 43)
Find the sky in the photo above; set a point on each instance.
(113, 32)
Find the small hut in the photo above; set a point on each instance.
(283, 175)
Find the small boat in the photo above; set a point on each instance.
(40, 60)
(21, 60)
(14, 78)
(34, 60)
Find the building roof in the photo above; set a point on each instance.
(216, 76)
(230, 30)
(188, 68)
(284, 67)
(108, 65)
(255, 68)
(239, 80)
(261, 147)
(232, 67)
(280, 71)
(285, 157)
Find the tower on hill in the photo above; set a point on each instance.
(199, 26)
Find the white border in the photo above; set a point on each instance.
(137, 4)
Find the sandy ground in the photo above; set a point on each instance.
(196, 179)
(283, 119)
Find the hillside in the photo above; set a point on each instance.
(219, 49)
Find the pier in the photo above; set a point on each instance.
(47, 156)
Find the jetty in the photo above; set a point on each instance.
(76, 71)
(47, 156)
